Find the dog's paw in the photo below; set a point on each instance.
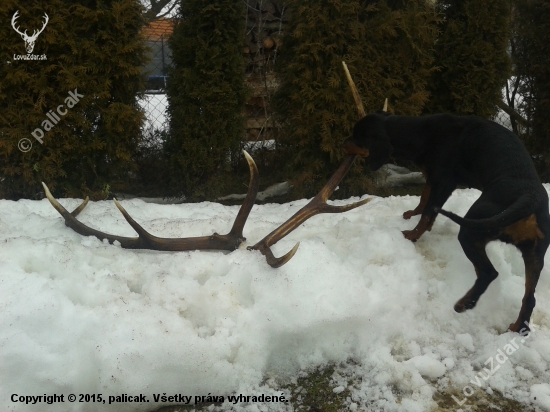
(409, 213)
(519, 327)
(464, 304)
(412, 235)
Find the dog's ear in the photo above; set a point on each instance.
(380, 151)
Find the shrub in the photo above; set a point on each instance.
(206, 92)
(388, 50)
(94, 48)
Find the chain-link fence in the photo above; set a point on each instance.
(264, 30)
(155, 101)
(265, 24)
(512, 108)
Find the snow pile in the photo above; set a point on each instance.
(78, 316)
(391, 175)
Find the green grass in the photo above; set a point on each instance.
(480, 401)
(315, 393)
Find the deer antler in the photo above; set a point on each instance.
(15, 17)
(37, 32)
(316, 205)
(145, 240)
(234, 238)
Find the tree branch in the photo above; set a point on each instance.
(156, 8)
(512, 113)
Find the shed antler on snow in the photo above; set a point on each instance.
(316, 205)
(145, 240)
(234, 238)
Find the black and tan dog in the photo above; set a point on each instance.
(473, 152)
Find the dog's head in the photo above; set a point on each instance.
(370, 140)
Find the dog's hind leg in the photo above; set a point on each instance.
(533, 267)
(533, 247)
(473, 245)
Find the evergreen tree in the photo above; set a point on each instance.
(388, 50)
(206, 92)
(531, 54)
(472, 57)
(91, 47)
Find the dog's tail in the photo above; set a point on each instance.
(523, 207)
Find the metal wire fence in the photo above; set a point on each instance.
(264, 30)
(265, 23)
(511, 112)
(155, 102)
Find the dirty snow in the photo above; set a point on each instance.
(78, 316)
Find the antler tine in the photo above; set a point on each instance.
(60, 208)
(145, 240)
(354, 92)
(46, 20)
(275, 262)
(317, 204)
(81, 228)
(248, 202)
(79, 209)
(15, 17)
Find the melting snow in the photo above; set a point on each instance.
(79, 316)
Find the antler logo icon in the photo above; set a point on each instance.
(29, 40)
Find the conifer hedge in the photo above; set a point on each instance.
(94, 50)
(206, 92)
(388, 50)
(471, 54)
(531, 54)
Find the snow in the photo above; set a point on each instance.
(391, 175)
(155, 108)
(79, 316)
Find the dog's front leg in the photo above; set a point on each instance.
(420, 208)
(426, 222)
(437, 194)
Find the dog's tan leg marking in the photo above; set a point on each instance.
(423, 200)
(420, 208)
(524, 230)
(424, 224)
(532, 273)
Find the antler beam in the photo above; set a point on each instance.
(234, 238)
(318, 204)
(145, 240)
(315, 206)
